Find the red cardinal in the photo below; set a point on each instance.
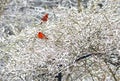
(41, 35)
(45, 18)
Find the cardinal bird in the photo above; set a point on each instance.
(41, 35)
(44, 18)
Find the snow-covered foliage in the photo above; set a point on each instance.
(24, 57)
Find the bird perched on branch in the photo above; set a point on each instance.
(44, 18)
(41, 35)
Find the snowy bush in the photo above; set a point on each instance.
(95, 31)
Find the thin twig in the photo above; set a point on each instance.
(112, 73)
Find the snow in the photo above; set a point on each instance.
(24, 57)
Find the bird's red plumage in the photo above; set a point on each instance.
(45, 18)
(41, 35)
